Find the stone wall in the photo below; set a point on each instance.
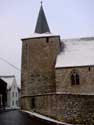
(75, 109)
(49, 91)
(38, 67)
(69, 108)
(44, 104)
(86, 77)
(38, 60)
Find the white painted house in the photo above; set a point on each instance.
(13, 92)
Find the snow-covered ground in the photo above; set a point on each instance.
(45, 118)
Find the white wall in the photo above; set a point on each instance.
(13, 96)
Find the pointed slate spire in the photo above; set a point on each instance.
(42, 25)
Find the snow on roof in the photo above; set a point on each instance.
(37, 35)
(76, 52)
(8, 80)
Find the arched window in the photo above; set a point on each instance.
(72, 79)
(75, 80)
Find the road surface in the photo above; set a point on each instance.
(16, 117)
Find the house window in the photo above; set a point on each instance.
(16, 102)
(16, 94)
(13, 103)
(13, 94)
(75, 80)
(0, 100)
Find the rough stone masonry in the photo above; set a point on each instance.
(63, 93)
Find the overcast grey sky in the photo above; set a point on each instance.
(68, 18)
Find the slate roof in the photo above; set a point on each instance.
(76, 52)
(42, 25)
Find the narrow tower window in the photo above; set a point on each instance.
(33, 102)
(47, 39)
(89, 68)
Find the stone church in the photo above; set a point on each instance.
(57, 75)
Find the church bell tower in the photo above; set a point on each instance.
(39, 54)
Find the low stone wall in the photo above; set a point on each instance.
(74, 109)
